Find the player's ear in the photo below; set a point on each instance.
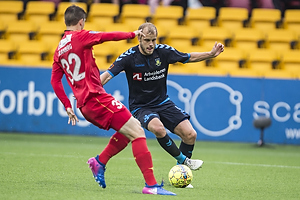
(82, 22)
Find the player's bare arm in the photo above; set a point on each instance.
(105, 77)
(199, 56)
(72, 117)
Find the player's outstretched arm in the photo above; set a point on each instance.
(72, 117)
(199, 56)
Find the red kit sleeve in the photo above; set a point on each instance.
(91, 38)
(56, 76)
(115, 36)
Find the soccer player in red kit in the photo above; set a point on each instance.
(74, 59)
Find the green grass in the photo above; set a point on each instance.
(54, 167)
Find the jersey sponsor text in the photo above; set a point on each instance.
(153, 78)
(156, 75)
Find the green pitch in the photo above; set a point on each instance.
(54, 167)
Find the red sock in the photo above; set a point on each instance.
(116, 144)
(143, 159)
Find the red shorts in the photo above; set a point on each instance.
(104, 111)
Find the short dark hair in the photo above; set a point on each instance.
(73, 14)
(151, 28)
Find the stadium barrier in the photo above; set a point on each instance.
(221, 108)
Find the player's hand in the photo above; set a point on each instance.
(139, 33)
(72, 117)
(217, 49)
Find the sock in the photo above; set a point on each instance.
(116, 144)
(169, 146)
(181, 158)
(186, 149)
(143, 159)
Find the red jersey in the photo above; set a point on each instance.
(74, 58)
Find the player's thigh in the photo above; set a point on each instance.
(132, 129)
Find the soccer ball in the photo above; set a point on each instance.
(180, 176)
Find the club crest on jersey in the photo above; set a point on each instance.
(157, 62)
(137, 76)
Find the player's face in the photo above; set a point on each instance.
(147, 43)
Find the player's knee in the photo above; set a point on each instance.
(159, 131)
(137, 132)
(140, 131)
(193, 135)
(137, 122)
(132, 129)
(190, 135)
(138, 128)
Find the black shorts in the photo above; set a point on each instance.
(168, 113)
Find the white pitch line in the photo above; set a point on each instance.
(255, 165)
(214, 162)
(42, 155)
